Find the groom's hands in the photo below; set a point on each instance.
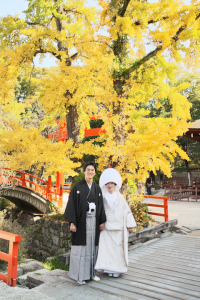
(72, 227)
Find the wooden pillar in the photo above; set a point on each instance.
(59, 181)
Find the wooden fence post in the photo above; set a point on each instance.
(11, 257)
(166, 210)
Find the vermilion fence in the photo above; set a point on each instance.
(33, 183)
(67, 187)
(11, 257)
(165, 206)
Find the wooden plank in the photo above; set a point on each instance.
(173, 281)
(5, 256)
(146, 270)
(165, 271)
(171, 260)
(170, 267)
(176, 249)
(146, 290)
(10, 236)
(150, 282)
(118, 292)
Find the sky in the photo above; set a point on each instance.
(18, 6)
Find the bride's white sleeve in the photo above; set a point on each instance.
(130, 220)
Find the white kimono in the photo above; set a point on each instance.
(113, 243)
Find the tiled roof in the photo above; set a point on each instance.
(196, 124)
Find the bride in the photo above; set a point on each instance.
(113, 244)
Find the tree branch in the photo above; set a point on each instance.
(181, 29)
(30, 23)
(74, 56)
(153, 53)
(42, 51)
(124, 8)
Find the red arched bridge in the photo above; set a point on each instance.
(30, 193)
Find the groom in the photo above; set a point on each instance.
(86, 215)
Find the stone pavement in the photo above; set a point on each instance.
(165, 268)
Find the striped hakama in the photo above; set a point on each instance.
(83, 258)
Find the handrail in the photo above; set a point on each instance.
(43, 189)
(11, 257)
(183, 193)
(165, 206)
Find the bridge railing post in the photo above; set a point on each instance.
(23, 179)
(48, 191)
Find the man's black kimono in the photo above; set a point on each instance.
(77, 205)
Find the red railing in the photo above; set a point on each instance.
(11, 257)
(165, 206)
(37, 184)
(67, 187)
(166, 184)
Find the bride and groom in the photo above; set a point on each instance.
(100, 219)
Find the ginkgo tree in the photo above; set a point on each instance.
(111, 61)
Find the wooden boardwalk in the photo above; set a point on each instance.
(167, 269)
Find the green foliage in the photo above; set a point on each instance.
(54, 264)
(55, 217)
(132, 186)
(192, 93)
(4, 203)
(139, 210)
(138, 207)
(165, 110)
(14, 227)
(52, 207)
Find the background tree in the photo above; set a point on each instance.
(193, 95)
(113, 75)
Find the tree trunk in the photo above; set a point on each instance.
(72, 124)
(72, 114)
(125, 190)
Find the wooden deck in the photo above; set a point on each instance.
(167, 269)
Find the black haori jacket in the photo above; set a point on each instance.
(75, 211)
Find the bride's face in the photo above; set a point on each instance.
(111, 187)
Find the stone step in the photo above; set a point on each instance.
(14, 293)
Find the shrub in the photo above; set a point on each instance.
(55, 217)
(54, 264)
(138, 207)
(4, 203)
(14, 227)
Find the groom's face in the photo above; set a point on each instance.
(89, 173)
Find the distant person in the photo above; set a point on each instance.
(86, 215)
(140, 187)
(113, 244)
(148, 185)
